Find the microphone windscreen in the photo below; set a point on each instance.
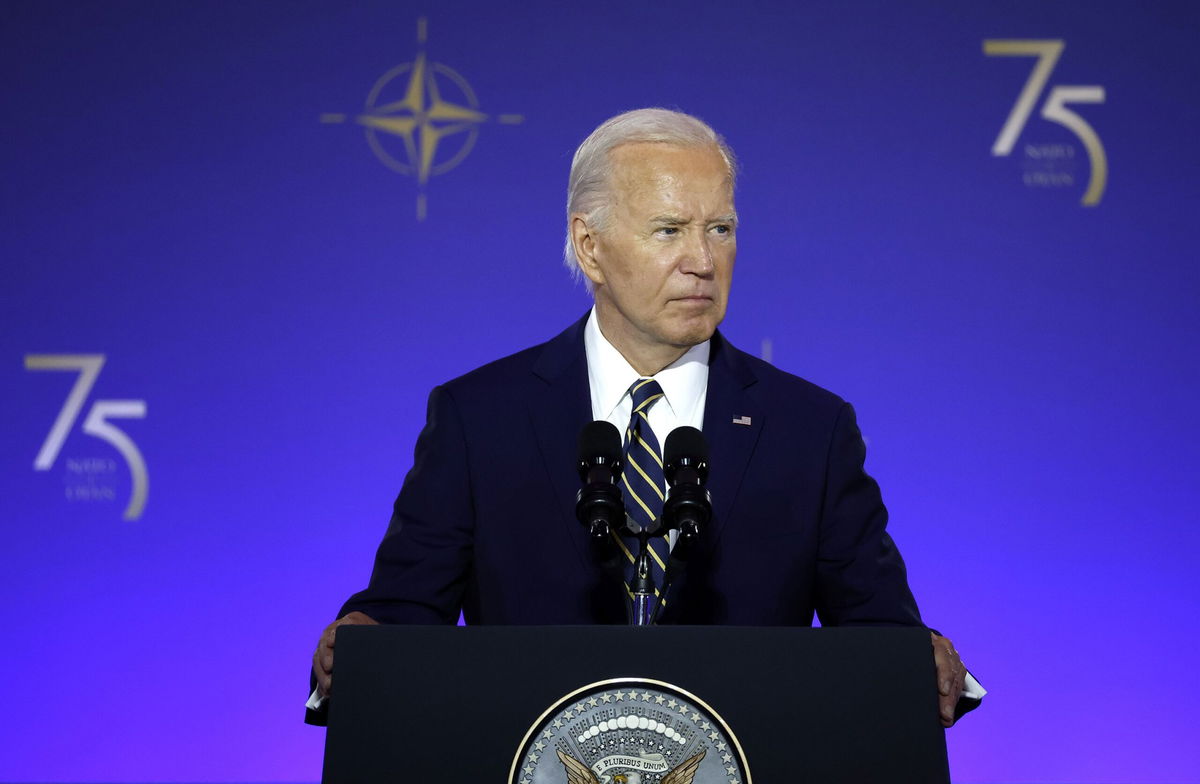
(685, 442)
(600, 439)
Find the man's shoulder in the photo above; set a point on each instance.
(518, 370)
(777, 388)
(500, 371)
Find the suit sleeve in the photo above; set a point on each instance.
(861, 579)
(424, 561)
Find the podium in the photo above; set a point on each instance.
(766, 705)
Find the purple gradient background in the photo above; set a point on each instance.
(1025, 369)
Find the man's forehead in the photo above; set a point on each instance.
(650, 154)
(654, 167)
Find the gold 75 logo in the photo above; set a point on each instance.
(1047, 52)
(95, 424)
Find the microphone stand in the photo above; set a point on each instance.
(643, 606)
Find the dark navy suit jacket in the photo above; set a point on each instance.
(486, 522)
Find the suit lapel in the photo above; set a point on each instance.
(730, 443)
(730, 447)
(559, 407)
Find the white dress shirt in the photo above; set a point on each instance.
(684, 384)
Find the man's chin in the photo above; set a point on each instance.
(693, 334)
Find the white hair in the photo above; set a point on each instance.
(588, 190)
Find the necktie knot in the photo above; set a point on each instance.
(644, 392)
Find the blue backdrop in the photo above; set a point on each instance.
(250, 250)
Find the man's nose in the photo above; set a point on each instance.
(698, 256)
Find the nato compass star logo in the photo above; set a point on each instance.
(421, 119)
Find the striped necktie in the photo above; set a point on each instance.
(643, 479)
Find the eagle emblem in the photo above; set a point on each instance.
(578, 773)
(630, 731)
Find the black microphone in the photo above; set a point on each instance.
(688, 506)
(599, 506)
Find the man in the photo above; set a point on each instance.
(485, 520)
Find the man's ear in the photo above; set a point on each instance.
(583, 239)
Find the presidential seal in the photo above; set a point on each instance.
(629, 731)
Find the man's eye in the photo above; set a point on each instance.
(668, 230)
(723, 228)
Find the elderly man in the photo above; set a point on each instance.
(485, 520)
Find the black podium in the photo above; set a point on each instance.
(450, 704)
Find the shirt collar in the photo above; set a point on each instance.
(683, 382)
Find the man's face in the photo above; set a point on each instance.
(663, 265)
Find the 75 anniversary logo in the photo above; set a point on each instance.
(96, 423)
(1054, 108)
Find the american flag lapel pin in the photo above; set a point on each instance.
(742, 420)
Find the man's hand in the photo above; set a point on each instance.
(323, 657)
(950, 676)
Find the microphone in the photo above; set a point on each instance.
(688, 506)
(598, 505)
